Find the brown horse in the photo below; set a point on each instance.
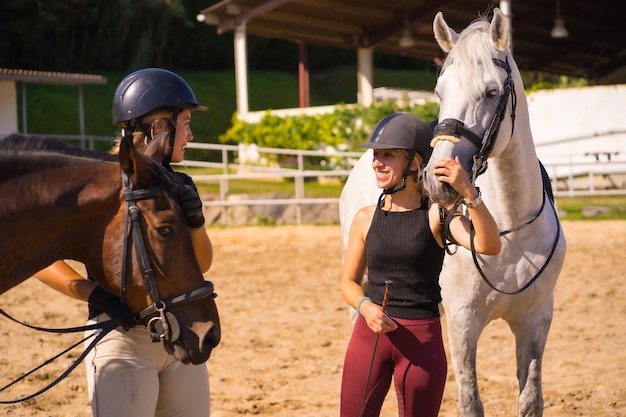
(118, 215)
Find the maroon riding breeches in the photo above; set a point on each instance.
(413, 355)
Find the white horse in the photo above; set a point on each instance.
(484, 120)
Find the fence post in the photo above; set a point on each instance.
(299, 180)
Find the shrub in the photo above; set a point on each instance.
(343, 129)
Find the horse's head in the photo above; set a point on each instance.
(159, 275)
(476, 92)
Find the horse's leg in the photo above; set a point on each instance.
(464, 329)
(531, 335)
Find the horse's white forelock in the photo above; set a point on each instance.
(473, 49)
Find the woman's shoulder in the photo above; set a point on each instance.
(363, 217)
(367, 211)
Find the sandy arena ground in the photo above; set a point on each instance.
(285, 329)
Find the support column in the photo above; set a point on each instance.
(365, 76)
(303, 76)
(241, 69)
(81, 112)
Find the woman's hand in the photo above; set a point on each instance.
(451, 171)
(376, 320)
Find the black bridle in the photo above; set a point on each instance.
(456, 128)
(164, 325)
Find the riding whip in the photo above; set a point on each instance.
(369, 373)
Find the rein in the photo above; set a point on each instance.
(105, 328)
(164, 326)
(543, 267)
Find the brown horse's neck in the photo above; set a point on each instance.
(53, 214)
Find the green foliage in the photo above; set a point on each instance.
(611, 207)
(79, 35)
(123, 35)
(538, 81)
(53, 109)
(345, 128)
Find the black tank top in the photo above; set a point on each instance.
(401, 247)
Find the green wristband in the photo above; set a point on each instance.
(358, 305)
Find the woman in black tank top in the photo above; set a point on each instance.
(397, 334)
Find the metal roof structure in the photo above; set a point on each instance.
(595, 48)
(41, 77)
(50, 77)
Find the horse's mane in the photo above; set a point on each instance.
(22, 153)
(17, 144)
(472, 55)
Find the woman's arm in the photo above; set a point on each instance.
(202, 247)
(354, 265)
(63, 278)
(66, 280)
(486, 236)
(354, 262)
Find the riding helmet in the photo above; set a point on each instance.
(148, 89)
(402, 131)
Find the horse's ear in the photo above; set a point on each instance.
(499, 30)
(445, 36)
(158, 147)
(130, 159)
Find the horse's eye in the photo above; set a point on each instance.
(492, 93)
(165, 231)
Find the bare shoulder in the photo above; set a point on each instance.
(363, 218)
(366, 213)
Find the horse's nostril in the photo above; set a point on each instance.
(211, 339)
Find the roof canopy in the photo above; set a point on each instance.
(7, 111)
(50, 77)
(594, 49)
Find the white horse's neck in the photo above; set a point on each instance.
(512, 184)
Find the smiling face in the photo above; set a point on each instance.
(389, 166)
(183, 132)
(183, 135)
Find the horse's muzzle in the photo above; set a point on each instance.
(195, 344)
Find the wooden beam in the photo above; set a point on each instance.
(250, 14)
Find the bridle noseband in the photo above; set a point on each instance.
(164, 325)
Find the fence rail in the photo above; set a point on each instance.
(570, 178)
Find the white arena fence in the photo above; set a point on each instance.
(571, 176)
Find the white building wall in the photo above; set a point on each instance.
(579, 124)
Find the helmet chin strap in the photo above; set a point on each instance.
(397, 188)
(407, 171)
(172, 136)
(143, 127)
(389, 191)
(168, 156)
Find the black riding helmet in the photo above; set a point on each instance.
(147, 90)
(402, 131)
